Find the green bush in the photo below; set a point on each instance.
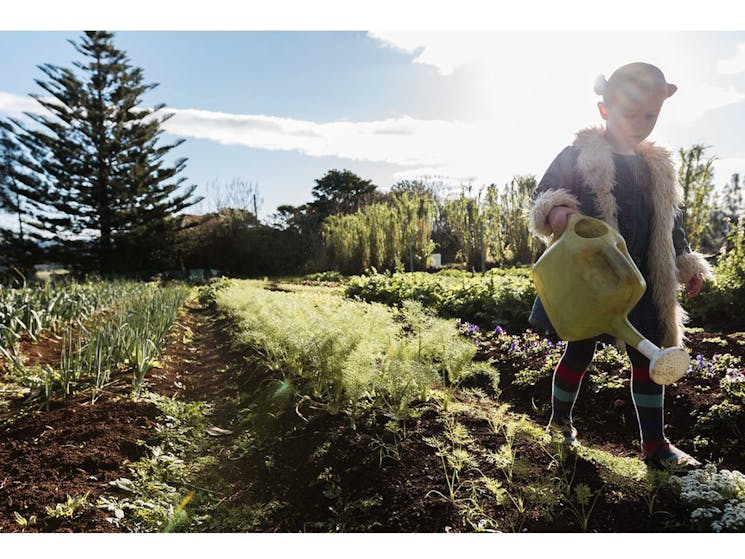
(721, 301)
(498, 297)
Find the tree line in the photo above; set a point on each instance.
(84, 183)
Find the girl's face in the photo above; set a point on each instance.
(628, 123)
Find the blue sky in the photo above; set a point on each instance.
(280, 109)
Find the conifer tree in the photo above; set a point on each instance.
(92, 171)
(15, 250)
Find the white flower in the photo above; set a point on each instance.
(717, 498)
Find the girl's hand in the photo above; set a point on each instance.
(693, 286)
(558, 217)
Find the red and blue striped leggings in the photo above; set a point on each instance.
(646, 394)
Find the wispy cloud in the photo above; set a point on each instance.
(425, 146)
(15, 105)
(459, 151)
(734, 65)
(445, 51)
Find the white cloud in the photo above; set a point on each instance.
(15, 105)
(699, 100)
(460, 151)
(445, 50)
(734, 65)
(432, 147)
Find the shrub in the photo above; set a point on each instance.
(721, 301)
(498, 297)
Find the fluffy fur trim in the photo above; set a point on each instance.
(595, 164)
(542, 206)
(690, 264)
(666, 197)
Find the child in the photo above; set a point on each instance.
(613, 174)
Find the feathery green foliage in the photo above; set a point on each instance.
(695, 177)
(384, 236)
(341, 354)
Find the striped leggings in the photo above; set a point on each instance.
(646, 394)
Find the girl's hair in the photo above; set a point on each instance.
(634, 83)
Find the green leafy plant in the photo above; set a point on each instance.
(342, 355)
(585, 500)
(24, 522)
(452, 449)
(70, 508)
(498, 297)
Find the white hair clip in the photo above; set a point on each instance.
(601, 84)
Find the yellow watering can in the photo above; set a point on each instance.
(588, 284)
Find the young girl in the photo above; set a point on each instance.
(613, 174)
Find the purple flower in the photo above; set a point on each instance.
(473, 328)
(499, 330)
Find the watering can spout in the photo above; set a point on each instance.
(588, 283)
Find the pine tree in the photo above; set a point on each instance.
(92, 171)
(8, 199)
(15, 250)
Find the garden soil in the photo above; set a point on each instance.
(76, 448)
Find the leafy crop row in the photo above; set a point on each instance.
(499, 297)
(329, 352)
(128, 336)
(28, 311)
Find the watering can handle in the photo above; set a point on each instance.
(616, 261)
(572, 219)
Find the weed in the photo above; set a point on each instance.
(454, 455)
(24, 522)
(657, 480)
(585, 499)
(71, 507)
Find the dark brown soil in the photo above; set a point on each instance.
(347, 485)
(73, 449)
(606, 418)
